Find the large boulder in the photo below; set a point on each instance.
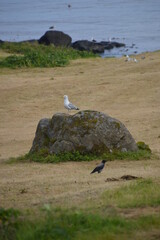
(57, 38)
(86, 132)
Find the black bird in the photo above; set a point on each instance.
(52, 27)
(100, 167)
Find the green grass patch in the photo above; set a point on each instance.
(68, 225)
(8, 223)
(44, 157)
(36, 55)
(143, 146)
(142, 193)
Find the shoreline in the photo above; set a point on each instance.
(112, 53)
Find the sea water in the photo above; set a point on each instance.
(133, 22)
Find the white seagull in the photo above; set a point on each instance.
(68, 105)
(135, 60)
(128, 58)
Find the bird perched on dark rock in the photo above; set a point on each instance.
(100, 167)
(52, 27)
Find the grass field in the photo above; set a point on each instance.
(63, 200)
(103, 222)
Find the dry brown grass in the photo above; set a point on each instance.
(26, 185)
(127, 91)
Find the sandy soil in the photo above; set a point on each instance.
(127, 91)
(65, 184)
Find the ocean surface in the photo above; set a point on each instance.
(133, 22)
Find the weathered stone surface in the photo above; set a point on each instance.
(86, 132)
(57, 38)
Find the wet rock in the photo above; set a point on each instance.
(110, 45)
(57, 38)
(90, 46)
(94, 46)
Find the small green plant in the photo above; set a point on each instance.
(36, 55)
(8, 223)
(143, 146)
(138, 155)
(7, 215)
(43, 156)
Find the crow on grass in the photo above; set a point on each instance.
(100, 167)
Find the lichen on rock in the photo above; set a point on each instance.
(86, 132)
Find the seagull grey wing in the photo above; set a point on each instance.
(71, 106)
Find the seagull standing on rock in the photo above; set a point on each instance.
(100, 167)
(68, 105)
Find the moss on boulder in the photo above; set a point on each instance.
(85, 132)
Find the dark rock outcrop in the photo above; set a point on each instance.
(57, 38)
(110, 45)
(85, 45)
(86, 132)
(95, 47)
